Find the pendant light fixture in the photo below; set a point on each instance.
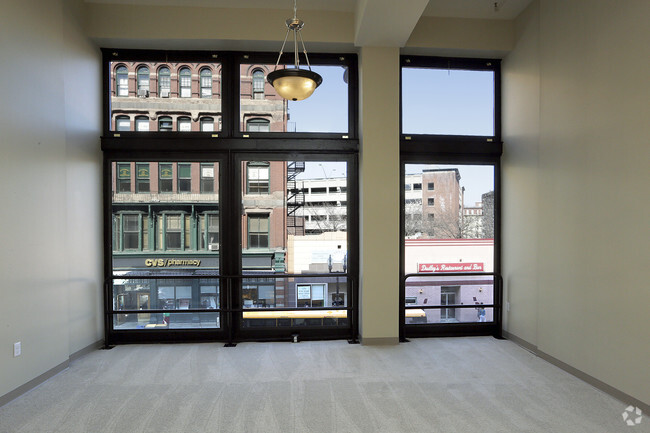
(294, 84)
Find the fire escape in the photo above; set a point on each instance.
(295, 199)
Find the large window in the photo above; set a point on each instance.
(450, 150)
(258, 231)
(206, 226)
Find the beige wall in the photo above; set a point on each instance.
(575, 170)
(379, 171)
(520, 213)
(51, 250)
(589, 173)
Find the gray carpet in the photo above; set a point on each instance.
(429, 385)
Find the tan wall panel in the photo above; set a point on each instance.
(379, 193)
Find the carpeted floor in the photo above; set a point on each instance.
(428, 385)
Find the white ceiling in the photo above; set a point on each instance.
(483, 9)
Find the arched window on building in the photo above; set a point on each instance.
(206, 83)
(143, 81)
(142, 123)
(122, 123)
(258, 84)
(165, 124)
(184, 124)
(164, 82)
(185, 83)
(207, 124)
(258, 125)
(122, 81)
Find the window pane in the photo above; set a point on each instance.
(162, 220)
(461, 206)
(167, 93)
(454, 294)
(173, 295)
(447, 101)
(326, 110)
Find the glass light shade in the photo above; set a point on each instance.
(294, 84)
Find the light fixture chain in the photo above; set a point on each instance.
(296, 58)
(304, 50)
(282, 49)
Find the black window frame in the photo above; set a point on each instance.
(229, 62)
(226, 145)
(454, 149)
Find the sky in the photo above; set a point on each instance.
(436, 101)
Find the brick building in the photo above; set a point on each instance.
(186, 97)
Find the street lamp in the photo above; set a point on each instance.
(337, 299)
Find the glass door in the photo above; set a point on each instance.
(451, 283)
(295, 243)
